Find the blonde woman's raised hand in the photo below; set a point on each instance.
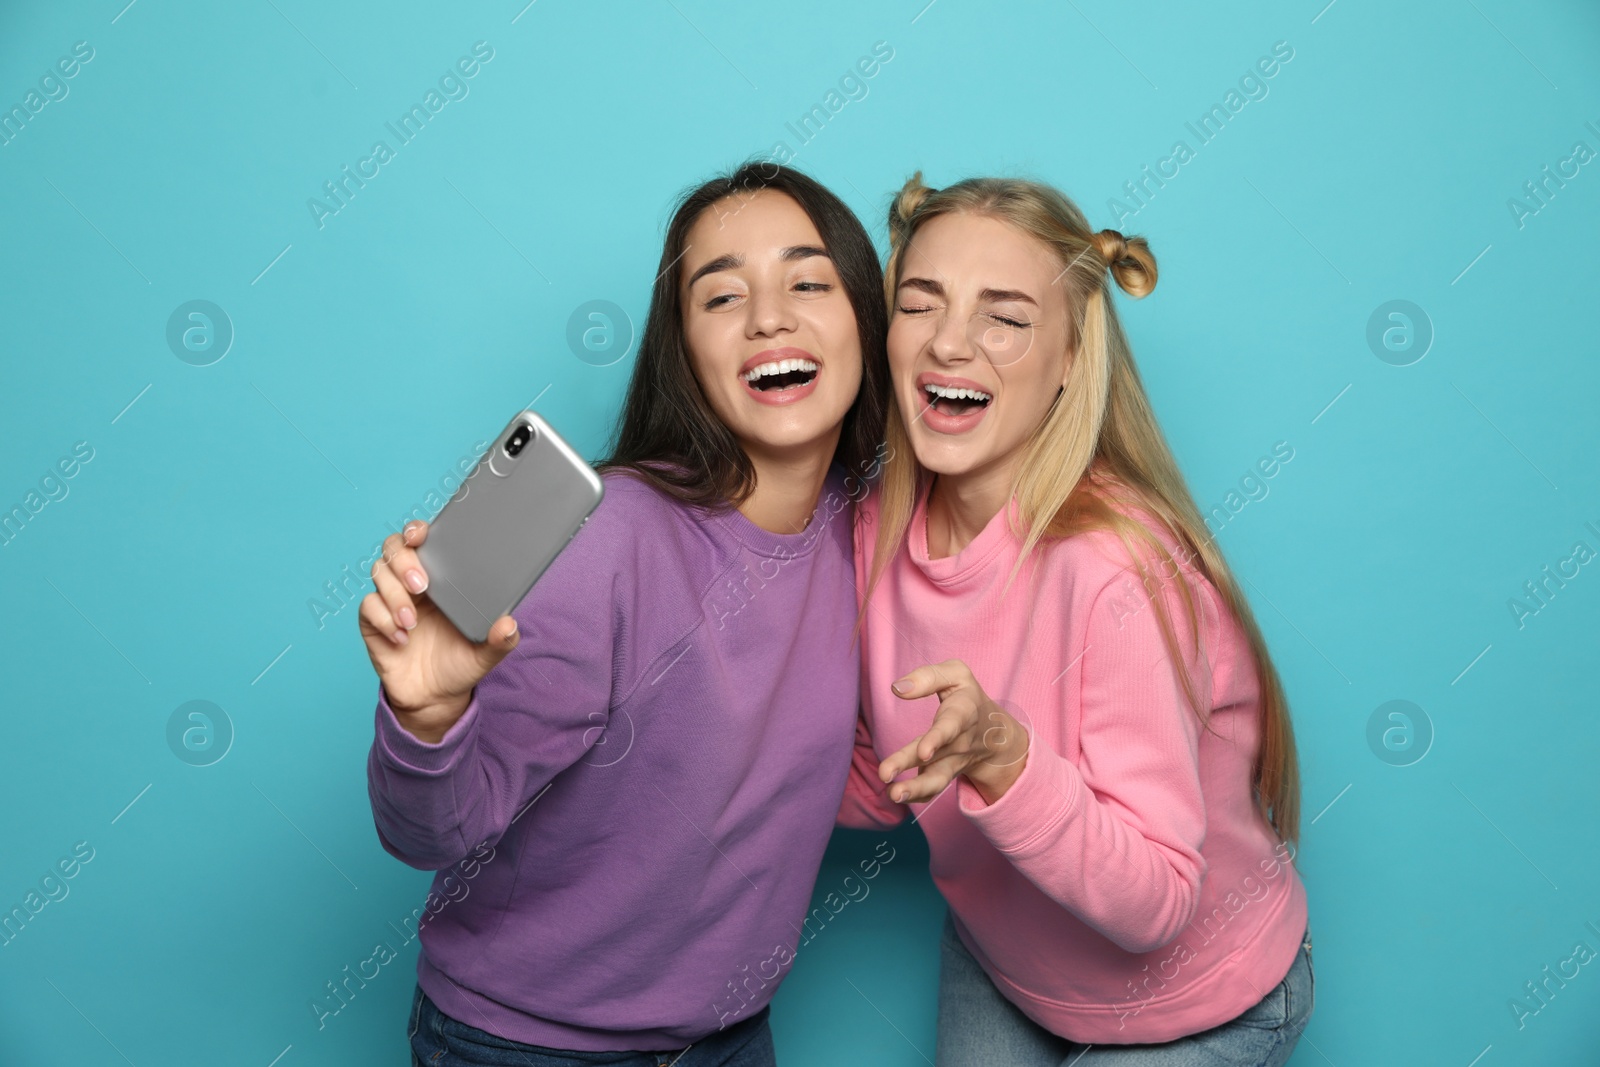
(970, 734)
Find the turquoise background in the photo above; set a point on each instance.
(371, 353)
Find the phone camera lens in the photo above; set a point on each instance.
(517, 440)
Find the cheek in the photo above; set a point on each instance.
(1030, 387)
(1041, 369)
(706, 339)
(903, 343)
(841, 336)
(840, 323)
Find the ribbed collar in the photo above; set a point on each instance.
(972, 559)
(788, 546)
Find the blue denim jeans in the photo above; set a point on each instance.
(979, 1026)
(437, 1040)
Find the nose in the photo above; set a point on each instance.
(769, 311)
(949, 343)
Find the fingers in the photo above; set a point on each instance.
(948, 746)
(398, 606)
(398, 576)
(375, 614)
(897, 762)
(400, 555)
(931, 679)
(948, 736)
(957, 719)
(957, 715)
(503, 636)
(934, 779)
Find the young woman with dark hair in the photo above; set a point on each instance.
(643, 786)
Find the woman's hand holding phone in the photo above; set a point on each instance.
(427, 666)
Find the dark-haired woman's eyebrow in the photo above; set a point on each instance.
(923, 285)
(724, 262)
(803, 252)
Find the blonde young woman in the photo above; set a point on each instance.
(1060, 676)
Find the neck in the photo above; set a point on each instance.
(961, 505)
(788, 485)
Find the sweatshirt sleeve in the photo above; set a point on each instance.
(865, 803)
(535, 714)
(1115, 837)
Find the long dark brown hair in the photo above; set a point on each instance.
(668, 433)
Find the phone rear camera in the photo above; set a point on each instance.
(518, 439)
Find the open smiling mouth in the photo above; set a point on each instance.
(955, 402)
(782, 374)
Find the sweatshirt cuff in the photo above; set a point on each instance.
(1045, 793)
(401, 749)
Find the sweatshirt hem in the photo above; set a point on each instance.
(491, 1016)
(1183, 1013)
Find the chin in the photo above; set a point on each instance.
(948, 461)
(789, 439)
(791, 430)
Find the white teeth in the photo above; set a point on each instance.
(947, 393)
(780, 366)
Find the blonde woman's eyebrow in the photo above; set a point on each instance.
(922, 285)
(987, 296)
(996, 296)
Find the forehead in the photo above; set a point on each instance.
(751, 225)
(964, 252)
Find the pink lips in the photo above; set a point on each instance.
(779, 397)
(938, 421)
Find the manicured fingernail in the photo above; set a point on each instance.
(901, 686)
(415, 581)
(408, 618)
(401, 638)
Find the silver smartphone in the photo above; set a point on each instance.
(528, 496)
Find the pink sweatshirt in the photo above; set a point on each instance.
(1125, 889)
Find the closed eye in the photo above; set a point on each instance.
(1004, 321)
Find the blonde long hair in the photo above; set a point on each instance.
(1099, 451)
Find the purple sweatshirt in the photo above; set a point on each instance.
(647, 782)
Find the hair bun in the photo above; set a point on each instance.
(1113, 246)
(906, 202)
(1130, 261)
